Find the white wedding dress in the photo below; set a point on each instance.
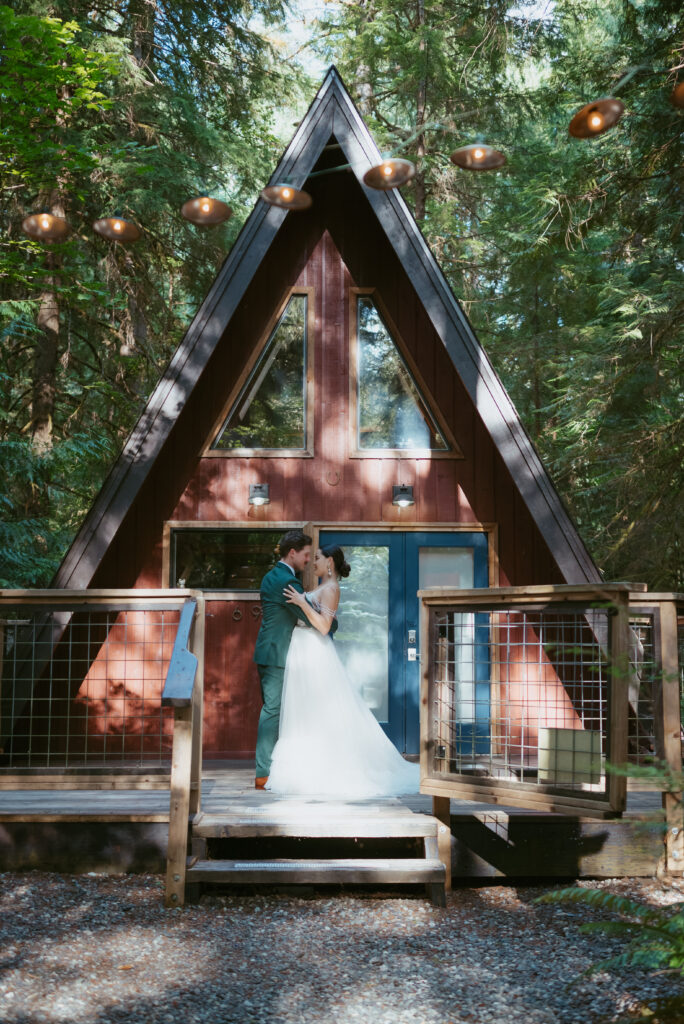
(330, 744)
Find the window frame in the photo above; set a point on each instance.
(454, 451)
(229, 594)
(314, 528)
(255, 355)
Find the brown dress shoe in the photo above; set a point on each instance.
(260, 782)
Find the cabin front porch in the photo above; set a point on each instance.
(526, 694)
(121, 830)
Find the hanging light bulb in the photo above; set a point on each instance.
(478, 157)
(595, 118)
(286, 196)
(206, 211)
(391, 173)
(117, 229)
(677, 95)
(45, 227)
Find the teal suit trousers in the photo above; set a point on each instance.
(271, 679)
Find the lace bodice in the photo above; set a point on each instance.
(317, 599)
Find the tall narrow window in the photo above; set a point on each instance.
(391, 411)
(270, 411)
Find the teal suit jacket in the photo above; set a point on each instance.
(278, 618)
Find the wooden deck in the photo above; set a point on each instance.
(127, 830)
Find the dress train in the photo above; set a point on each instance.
(330, 743)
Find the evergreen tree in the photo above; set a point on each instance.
(567, 260)
(126, 106)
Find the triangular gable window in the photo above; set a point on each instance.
(391, 411)
(270, 412)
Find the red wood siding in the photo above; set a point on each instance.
(331, 250)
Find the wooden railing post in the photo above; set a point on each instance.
(618, 701)
(670, 736)
(180, 692)
(179, 807)
(197, 648)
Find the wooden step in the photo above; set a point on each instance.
(321, 872)
(404, 826)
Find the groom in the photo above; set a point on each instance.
(270, 654)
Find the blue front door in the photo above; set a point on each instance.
(379, 614)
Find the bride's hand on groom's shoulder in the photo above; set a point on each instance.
(293, 596)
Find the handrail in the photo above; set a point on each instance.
(180, 678)
(183, 690)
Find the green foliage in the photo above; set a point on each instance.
(655, 938)
(123, 106)
(33, 539)
(568, 260)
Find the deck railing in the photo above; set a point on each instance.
(183, 692)
(103, 689)
(531, 694)
(81, 681)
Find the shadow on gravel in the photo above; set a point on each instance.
(332, 957)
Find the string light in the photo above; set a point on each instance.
(117, 229)
(478, 157)
(205, 211)
(286, 196)
(45, 227)
(595, 118)
(393, 172)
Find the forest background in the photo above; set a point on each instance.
(568, 260)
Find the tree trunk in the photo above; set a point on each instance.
(536, 384)
(364, 88)
(141, 15)
(44, 390)
(420, 191)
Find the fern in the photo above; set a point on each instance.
(655, 938)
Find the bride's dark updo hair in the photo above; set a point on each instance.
(337, 554)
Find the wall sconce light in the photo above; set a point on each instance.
(258, 494)
(402, 495)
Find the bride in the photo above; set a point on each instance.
(330, 744)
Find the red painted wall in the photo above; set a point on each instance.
(330, 249)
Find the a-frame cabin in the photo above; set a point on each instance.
(330, 361)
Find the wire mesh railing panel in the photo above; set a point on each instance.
(520, 696)
(644, 679)
(83, 688)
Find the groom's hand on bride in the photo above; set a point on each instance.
(293, 596)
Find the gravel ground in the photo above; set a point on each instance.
(93, 949)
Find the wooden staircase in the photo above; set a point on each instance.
(344, 825)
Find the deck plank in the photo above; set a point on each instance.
(231, 790)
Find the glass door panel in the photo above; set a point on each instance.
(445, 567)
(456, 560)
(362, 639)
(378, 637)
(371, 622)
